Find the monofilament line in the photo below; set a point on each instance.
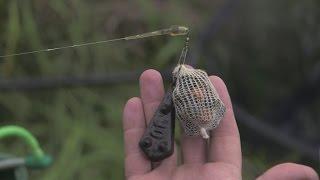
(172, 31)
(62, 47)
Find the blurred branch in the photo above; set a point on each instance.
(32, 84)
(243, 116)
(210, 30)
(274, 134)
(304, 95)
(43, 83)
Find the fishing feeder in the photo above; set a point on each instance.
(193, 100)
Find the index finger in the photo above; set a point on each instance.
(225, 139)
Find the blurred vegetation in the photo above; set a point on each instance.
(264, 51)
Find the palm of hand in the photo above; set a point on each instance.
(206, 171)
(219, 158)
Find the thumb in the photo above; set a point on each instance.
(289, 171)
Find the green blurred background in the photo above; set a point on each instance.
(267, 51)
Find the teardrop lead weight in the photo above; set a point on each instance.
(157, 142)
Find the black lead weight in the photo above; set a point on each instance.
(157, 142)
(145, 143)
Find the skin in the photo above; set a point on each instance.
(221, 159)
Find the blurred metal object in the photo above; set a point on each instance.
(11, 163)
(12, 168)
(275, 134)
(43, 83)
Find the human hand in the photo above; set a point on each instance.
(221, 160)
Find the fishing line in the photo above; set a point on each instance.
(172, 31)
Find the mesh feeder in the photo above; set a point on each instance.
(198, 106)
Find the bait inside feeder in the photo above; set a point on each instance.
(197, 103)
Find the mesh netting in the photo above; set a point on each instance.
(198, 106)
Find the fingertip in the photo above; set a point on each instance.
(151, 86)
(133, 104)
(290, 171)
(151, 92)
(218, 83)
(131, 108)
(216, 79)
(150, 76)
(311, 173)
(306, 171)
